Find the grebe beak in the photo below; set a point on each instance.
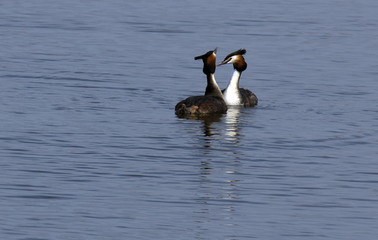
(224, 62)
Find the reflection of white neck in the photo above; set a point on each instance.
(232, 121)
(231, 94)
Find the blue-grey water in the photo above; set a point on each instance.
(90, 147)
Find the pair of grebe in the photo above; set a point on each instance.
(215, 100)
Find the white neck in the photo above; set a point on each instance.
(234, 82)
(231, 93)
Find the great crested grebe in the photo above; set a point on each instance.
(212, 101)
(233, 95)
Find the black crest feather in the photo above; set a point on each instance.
(241, 51)
(206, 55)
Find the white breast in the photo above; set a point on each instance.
(231, 94)
(232, 97)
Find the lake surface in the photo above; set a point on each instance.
(90, 147)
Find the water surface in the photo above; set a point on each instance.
(90, 147)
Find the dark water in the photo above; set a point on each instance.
(90, 147)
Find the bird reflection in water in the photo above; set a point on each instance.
(226, 129)
(231, 128)
(232, 124)
(208, 129)
(218, 189)
(219, 181)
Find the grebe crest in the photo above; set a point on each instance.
(236, 58)
(209, 61)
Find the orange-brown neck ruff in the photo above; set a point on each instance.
(240, 64)
(208, 59)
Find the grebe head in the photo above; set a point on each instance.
(209, 61)
(237, 59)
